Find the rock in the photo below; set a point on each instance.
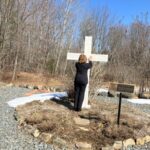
(10, 85)
(84, 129)
(128, 142)
(2, 84)
(44, 88)
(58, 89)
(100, 125)
(19, 85)
(147, 139)
(30, 87)
(40, 87)
(35, 87)
(140, 141)
(146, 95)
(21, 121)
(36, 133)
(82, 122)
(118, 145)
(26, 86)
(136, 90)
(46, 137)
(53, 89)
(83, 146)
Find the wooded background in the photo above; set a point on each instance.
(35, 36)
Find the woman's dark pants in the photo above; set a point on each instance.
(79, 95)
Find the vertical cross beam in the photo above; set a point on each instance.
(87, 52)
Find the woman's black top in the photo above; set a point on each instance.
(81, 72)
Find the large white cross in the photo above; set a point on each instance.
(95, 57)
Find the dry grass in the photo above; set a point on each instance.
(24, 78)
(56, 119)
(35, 118)
(46, 126)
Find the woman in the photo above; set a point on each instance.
(81, 80)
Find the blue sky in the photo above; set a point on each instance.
(124, 10)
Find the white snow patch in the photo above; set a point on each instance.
(42, 97)
(139, 101)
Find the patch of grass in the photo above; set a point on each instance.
(34, 118)
(52, 118)
(46, 126)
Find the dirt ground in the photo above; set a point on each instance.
(57, 118)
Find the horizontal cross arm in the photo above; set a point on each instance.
(99, 57)
(73, 56)
(95, 57)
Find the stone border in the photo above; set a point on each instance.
(123, 145)
(118, 145)
(35, 87)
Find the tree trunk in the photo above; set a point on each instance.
(15, 68)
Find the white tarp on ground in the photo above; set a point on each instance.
(42, 97)
(139, 101)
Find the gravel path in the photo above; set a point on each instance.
(13, 139)
(10, 137)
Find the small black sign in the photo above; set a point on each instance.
(125, 88)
